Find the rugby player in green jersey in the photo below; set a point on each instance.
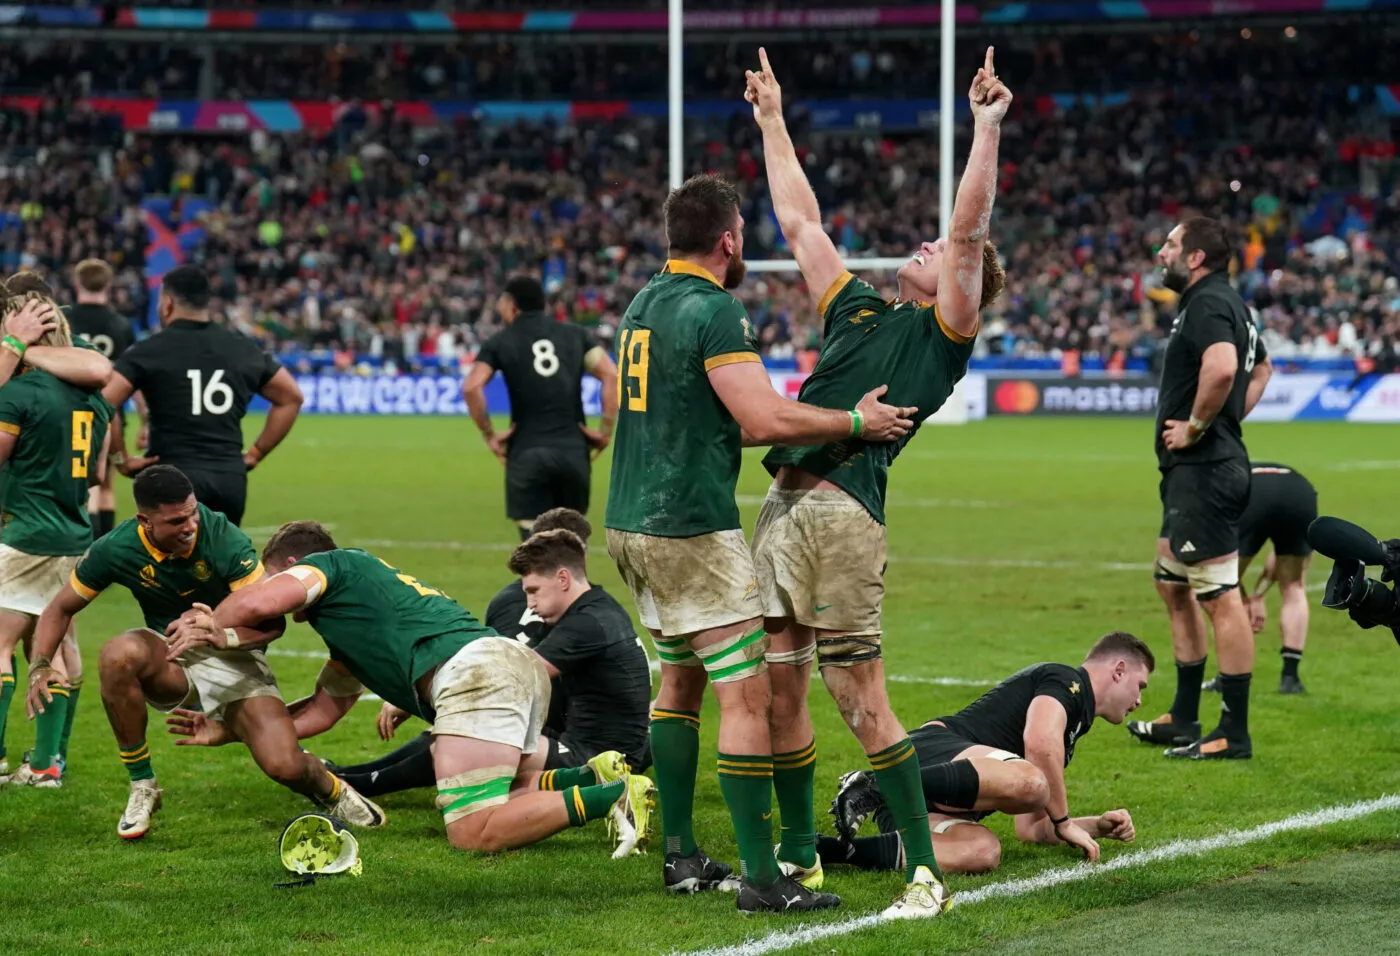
(174, 553)
(819, 545)
(485, 695)
(51, 442)
(691, 389)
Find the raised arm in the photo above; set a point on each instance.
(794, 203)
(285, 395)
(960, 276)
(1044, 737)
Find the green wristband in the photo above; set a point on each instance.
(857, 423)
(15, 344)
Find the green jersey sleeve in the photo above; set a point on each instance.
(726, 338)
(95, 572)
(326, 568)
(14, 406)
(234, 558)
(847, 302)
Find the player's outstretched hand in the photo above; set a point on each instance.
(1117, 825)
(1074, 835)
(499, 443)
(194, 628)
(196, 730)
(763, 91)
(881, 422)
(30, 323)
(39, 694)
(389, 719)
(131, 466)
(597, 440)
(989, 96)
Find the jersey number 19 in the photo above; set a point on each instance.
(82, 443)
(215, 398)
(632, 360)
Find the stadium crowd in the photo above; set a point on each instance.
(390, 241)
(542, 67)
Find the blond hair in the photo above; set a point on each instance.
(25, 287)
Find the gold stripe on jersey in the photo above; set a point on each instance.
(81, 589)
(247, 579)
(832, 292)
(681, 267)
(730, 358)
(9, 428)
(952, 333)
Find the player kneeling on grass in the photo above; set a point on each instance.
(174, 553)
(1003, 753)
(600, 688)
(484, 694)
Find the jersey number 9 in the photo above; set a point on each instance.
(214, 398)
(82, 443)
(632, 359)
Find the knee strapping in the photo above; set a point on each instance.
(953, 784)
(675, 651)
(735, 658)
(471, 792)
(1210, 581)
(798, 658)
(847, 651)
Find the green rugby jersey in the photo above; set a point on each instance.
(167, 585)
(872, 342)
(386, 627)
(676, 448)
(59, 430)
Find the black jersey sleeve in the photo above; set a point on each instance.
(572, 641)
(490, 352)
(134, 364)
(1064, 684)
(1208, 322)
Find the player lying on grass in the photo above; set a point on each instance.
(819, 545)
(600, 687)
(51, 447)
(484, 694)
(174, 553)
(1003, 753)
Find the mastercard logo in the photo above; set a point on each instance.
(1016, 398)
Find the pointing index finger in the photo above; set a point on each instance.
(988, 66)
(763, 61)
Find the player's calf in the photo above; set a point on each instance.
(963, 846)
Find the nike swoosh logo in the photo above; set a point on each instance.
(767, 816)
(187, 593)
(818, 608)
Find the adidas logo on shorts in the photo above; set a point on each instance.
(1188, 548)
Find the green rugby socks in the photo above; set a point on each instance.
(746, 780)
(675, 754)
(897, 772)
(794, 779)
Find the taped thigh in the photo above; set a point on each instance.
(848, 650)
(675, 651)
(463, 794)
(943, 826)
(735, 658)
(1210, 581)
(1171, 571)
(798, 658)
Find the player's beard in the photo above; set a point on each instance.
(734, 272)
(1175, 278)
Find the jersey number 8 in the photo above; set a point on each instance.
(633, 359)
(214, 398)
(546, 359)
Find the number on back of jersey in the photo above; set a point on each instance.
(546, 359)
(214, 397)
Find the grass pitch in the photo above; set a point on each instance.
(1010, 542)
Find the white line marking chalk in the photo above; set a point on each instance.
(801, 936)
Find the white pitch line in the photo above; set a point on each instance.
(1382, 465)
(786, 939)
(899, 502)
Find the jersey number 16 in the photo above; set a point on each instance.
(215, 398)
